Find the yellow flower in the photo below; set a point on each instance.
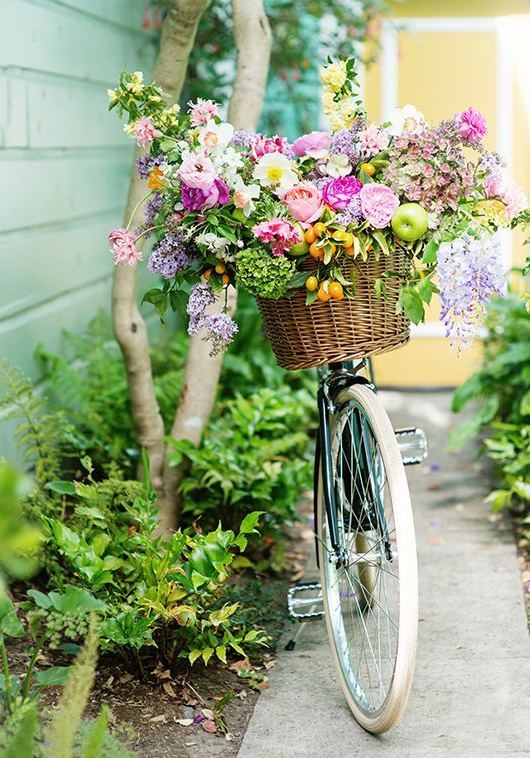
(136, 84)
(156, 179)
(342, 115)
(112, 94)
(129, 129)
(493, 210)
(328, 102)
(169, 115)
(334, 75)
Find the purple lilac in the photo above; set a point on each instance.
(201, 296)
(146, 163)
(345, 141)
(352, 214)
(220, 331)
(470, 273)
(242, 138)
(171, 255)
(152, 208)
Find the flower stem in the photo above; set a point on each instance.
(141, 202)
(146, 231)
(7, 676)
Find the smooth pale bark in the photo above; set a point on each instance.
(253, 41)
(177, 39)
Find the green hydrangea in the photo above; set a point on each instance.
(262, 274)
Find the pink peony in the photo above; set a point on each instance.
(261, 145)
(514, 198)
(202, 111)
(123, 247)
(373, 140)
(378, 204)
(145, 132)
(314, 144)
(304, 202)
(196, 170)
(196, 199)
(338, 192)
(471, 125)
(279, 232)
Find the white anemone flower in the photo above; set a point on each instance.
(244, 195)
(275, 170)
(407, 120)
(215, 136)
(338, 165)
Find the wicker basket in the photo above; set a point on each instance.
(339, 330)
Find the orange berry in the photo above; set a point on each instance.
(316, 252)
(331, 247)
(322, 295)
(311, 283)
(309, 236)
(220, 267)
(339, 235)
(207, 274)
(319, 229)
(348, 239)
(348, 251)
(226, 279)
(335, 290)
(368, 168)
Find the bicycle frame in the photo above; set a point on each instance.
(341, 375)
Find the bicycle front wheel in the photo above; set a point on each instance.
(371, 592)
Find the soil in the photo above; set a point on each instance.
(145, 714)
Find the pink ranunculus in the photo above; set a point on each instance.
(123, 247)
(145, 132)
(338, 192)
(202, 111)
(279, 232)
(261, 145)
(471, 125)
(304, 202)
(378, 204)
(314, 144)
(195, 199)
(196, 170)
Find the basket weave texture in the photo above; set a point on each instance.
(339, 330)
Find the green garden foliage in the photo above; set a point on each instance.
(501, 390)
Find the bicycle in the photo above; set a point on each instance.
(365, 543)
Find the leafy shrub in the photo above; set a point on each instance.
(501, 388)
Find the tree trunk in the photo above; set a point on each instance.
(177, 39)
(253, 41)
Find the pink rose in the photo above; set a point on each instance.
(314, 144)
(196, 170)
(471, 125)
(195, 199)
(261, 145)
(338, 192)
(304, 202)
(145, 132)
(123, 247)
(378, 204)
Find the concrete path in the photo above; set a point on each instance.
(471, 694)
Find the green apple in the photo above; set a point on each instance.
(410, 222)
(299, 248)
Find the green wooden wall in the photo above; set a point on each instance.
(64, 163)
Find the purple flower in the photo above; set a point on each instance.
(201, 296)
(470, 273)
(352, 214)
(338, 192)
(346, 141)
(220, 330)
(471, 125)
(242, 138)
(146, 163)
(152, 208)
(196, 199)
(171, 255)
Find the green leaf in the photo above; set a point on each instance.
(298, 279)
(311, 297)
(249, 523)
(524, 406)
(471, 388)
(207, 654)
(462, 433)
(430, 251)
(95, 741)
(425, 289)
(412, 305)
(52, 676)
(42, 600)
(220, 652)
(76, 600)
(193, 655)
(10, 624)
(63, 488)
(382, 242)
(22, 742)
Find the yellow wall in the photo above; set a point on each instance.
(443, 72)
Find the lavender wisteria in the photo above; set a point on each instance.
(470, 273)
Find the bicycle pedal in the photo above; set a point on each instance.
(413, 445)
(304, 601)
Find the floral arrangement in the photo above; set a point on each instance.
(227, 207)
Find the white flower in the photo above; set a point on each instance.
(212, 242)
(216, 136)
(136, 84)
(227, 163)
(275, 170)
(112, 94)
(406, 120)
(338, 165)
(244, 195)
